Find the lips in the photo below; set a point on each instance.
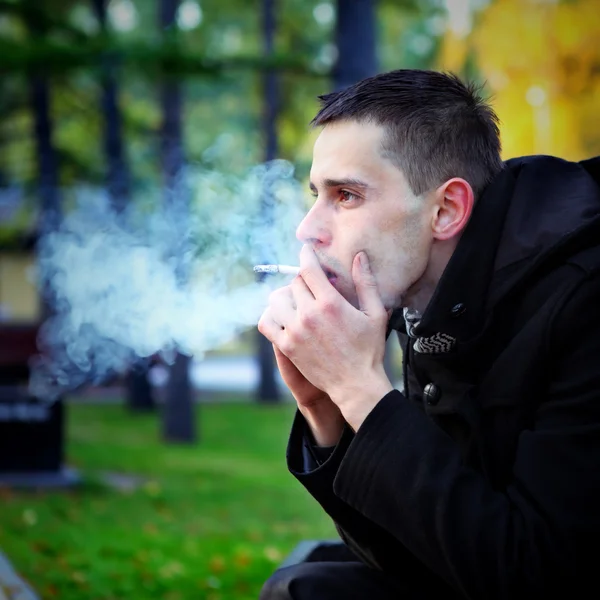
(330, 275)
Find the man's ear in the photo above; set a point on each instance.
(453, 208)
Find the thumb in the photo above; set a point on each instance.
(369, 300)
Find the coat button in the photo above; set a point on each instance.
(432, 394)
(458, 309)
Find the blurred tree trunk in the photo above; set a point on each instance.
(50, 215)
(139, 395)
(355, 38)
(268, 390)
(178, 420)
(356, 41)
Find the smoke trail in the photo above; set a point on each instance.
(114, 281)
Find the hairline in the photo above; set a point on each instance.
(385, 149)
(430, 164)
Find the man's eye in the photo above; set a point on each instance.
(347, 196)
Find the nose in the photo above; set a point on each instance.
(314, 229)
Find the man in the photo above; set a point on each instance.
(481, 477)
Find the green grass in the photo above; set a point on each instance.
(211, 521)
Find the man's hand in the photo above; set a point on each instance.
(337, 348)
(322, 415)
(306, 394)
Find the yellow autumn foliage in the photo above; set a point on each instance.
(541, 62)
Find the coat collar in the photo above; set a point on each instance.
(537, 211)
(458, 305)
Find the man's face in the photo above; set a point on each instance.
(363, 203)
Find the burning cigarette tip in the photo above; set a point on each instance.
(283, 269)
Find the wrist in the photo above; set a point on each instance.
(359, 397)
(325, 422)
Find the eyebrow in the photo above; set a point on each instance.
(333, 183)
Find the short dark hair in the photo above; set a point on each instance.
(436, 126)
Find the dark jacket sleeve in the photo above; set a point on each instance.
(370, 542)
(319, 482)
(536, 538)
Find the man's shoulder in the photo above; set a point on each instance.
(546, 297)
(548, 161)
(572, 263)
(568, 298)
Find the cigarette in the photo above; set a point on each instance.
(283, 269)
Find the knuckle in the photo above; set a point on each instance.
(263, 318)
(261, 322)
(329, 306)
(308, 320)
(263, 328)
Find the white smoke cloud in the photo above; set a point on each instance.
(116, 284)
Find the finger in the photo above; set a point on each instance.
(270, 328)
(302, 295)
(283, 306)
(313, 274)
(369, 300)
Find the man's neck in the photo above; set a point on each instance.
(419, 295)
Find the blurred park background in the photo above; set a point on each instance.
(168, 480)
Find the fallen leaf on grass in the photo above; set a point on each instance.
(273, 554)
(166, 514)
(43, 547)
(242, 559)
(242, 587)
(6, 493)
(171, 569)
(280, 527)
(30, 517)
(152, 488)
(51, 591)
(73, 515)
(217, 564)
(255, 535)
(78, 577)
(150, 528)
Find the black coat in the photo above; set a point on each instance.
(489, 485)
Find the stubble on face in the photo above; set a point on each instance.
(389, 225)
(402, 249)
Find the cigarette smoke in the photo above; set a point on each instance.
(159, 280)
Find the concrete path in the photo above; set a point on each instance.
(220, 377)
(12, 587)
(219, 374)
